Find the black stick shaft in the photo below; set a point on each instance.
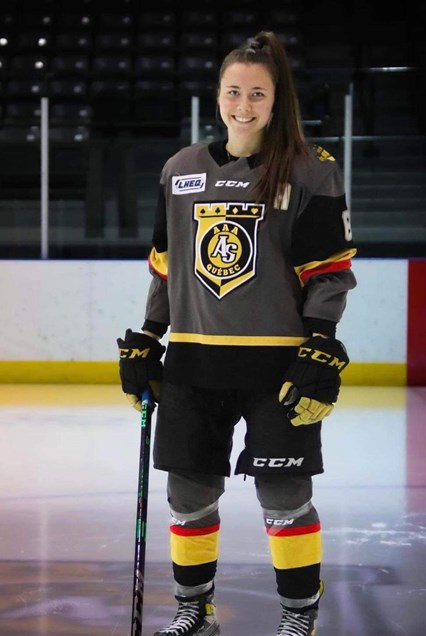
(141, 515)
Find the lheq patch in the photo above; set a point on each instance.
(226, 244)
(188, 183)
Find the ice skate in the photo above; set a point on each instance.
(293, 624)
(193, 618)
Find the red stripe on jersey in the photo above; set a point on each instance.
(194, 532)
(291, 532)
(326, 269)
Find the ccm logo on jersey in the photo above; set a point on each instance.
(189, 183)
(277, 462)
(223, 183)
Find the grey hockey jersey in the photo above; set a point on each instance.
(239, 284)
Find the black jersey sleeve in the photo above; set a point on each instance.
(322, 249)
(322, 235)
(159, 237)
(157, 313)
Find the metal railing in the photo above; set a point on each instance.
(346, 139)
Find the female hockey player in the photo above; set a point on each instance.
(251, 263)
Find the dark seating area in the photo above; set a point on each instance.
(120, 74)
(89, 51)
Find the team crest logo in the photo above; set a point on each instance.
(226, 244)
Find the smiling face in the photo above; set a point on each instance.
(245, 99)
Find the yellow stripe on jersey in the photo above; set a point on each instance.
(247, 341)
(335, 258)
(159, 261)
(194, 549)
(295, 551)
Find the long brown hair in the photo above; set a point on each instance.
(283, 138)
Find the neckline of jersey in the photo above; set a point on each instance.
(221, 156)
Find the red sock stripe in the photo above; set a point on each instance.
(326, 269)
(194, 532)
(291, 532)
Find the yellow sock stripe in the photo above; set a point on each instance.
(194, 549)
(295, 551)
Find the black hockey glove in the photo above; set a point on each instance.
(140, 365)
(312, 383)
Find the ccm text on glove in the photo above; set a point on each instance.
(140, 365)
(312, 383)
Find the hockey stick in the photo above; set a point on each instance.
(141, 514)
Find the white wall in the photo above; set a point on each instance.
(75, 310)
(374, 325)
